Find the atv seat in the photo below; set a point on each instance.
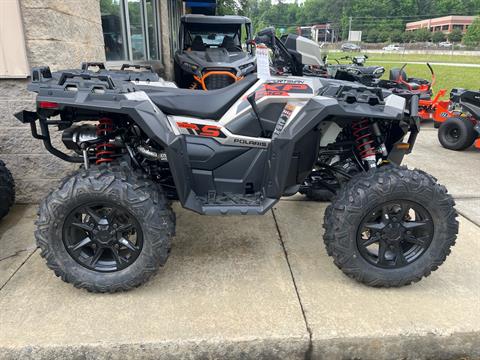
(199, 103)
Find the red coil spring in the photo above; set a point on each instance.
(104, 151)
(363, 138)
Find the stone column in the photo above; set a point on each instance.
(60, 34)
(167, 56)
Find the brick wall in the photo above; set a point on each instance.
(61, 34)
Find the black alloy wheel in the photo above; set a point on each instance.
(102, 238)
(395, 234)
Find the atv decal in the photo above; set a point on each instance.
(278, 89)
(202, 129)
(286, 114)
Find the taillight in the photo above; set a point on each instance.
(48, 105)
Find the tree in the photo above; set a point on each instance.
(438, 37)
(423, 35)
(226, 7)
(372, 36)
(455, 36)
(383, 35)
(472, 37)
(408, 36)
(396, 36)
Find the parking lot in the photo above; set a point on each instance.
(255, 287)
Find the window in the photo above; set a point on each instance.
(212, 35)
(174, 17)
(131, 29)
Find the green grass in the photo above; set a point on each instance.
(432, 58)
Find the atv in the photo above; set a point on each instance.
(7, 190)
(214, 51)
(462, 127)
(233, 151)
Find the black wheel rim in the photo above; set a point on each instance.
(453, 134)
(103, 238)
(395, 234)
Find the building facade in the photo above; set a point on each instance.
(63, 34)
(445, 24)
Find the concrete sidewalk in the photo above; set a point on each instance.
(230, 294)
(250, 288)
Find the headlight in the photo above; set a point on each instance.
(190, 67)
(379, 72)
(353, 71)
(245, 67)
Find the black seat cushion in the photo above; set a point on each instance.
(197, 44)
(198, 103)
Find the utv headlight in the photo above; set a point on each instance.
(246, 67)
(353, 71)
(378, 73)
(190, 67)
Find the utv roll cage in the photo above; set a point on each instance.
(221, 23)
(226, 23)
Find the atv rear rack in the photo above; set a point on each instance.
(31, 117)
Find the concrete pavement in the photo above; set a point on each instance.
(250, 287)
(439, 317)
(226, 291)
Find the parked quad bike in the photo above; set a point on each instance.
(7, 190)
(462, 127)
(237, 150)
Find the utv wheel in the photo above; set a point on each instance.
(7, 190)
(457, 134)
(106, 229)
(390, 227)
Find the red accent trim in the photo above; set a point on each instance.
(48, 105)
(210, 130)
(186, 125)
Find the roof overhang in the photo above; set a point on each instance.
(206, 19)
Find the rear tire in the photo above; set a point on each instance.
(321, 195)
(457, 134)
(116, 212)
(380, 255)
(7, 190)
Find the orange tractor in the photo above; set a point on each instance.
(428, 108)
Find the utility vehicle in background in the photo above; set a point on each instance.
(232, 151)
(214, 51)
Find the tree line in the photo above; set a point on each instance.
(379, 20)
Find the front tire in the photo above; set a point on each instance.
(106, 229)
(7, 190)
(457, 134)
(390, 227)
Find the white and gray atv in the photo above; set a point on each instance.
(233, 151)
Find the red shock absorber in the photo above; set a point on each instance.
(104, 151)
(363, 138)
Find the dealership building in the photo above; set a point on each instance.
(63, 34)
(445, 24)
